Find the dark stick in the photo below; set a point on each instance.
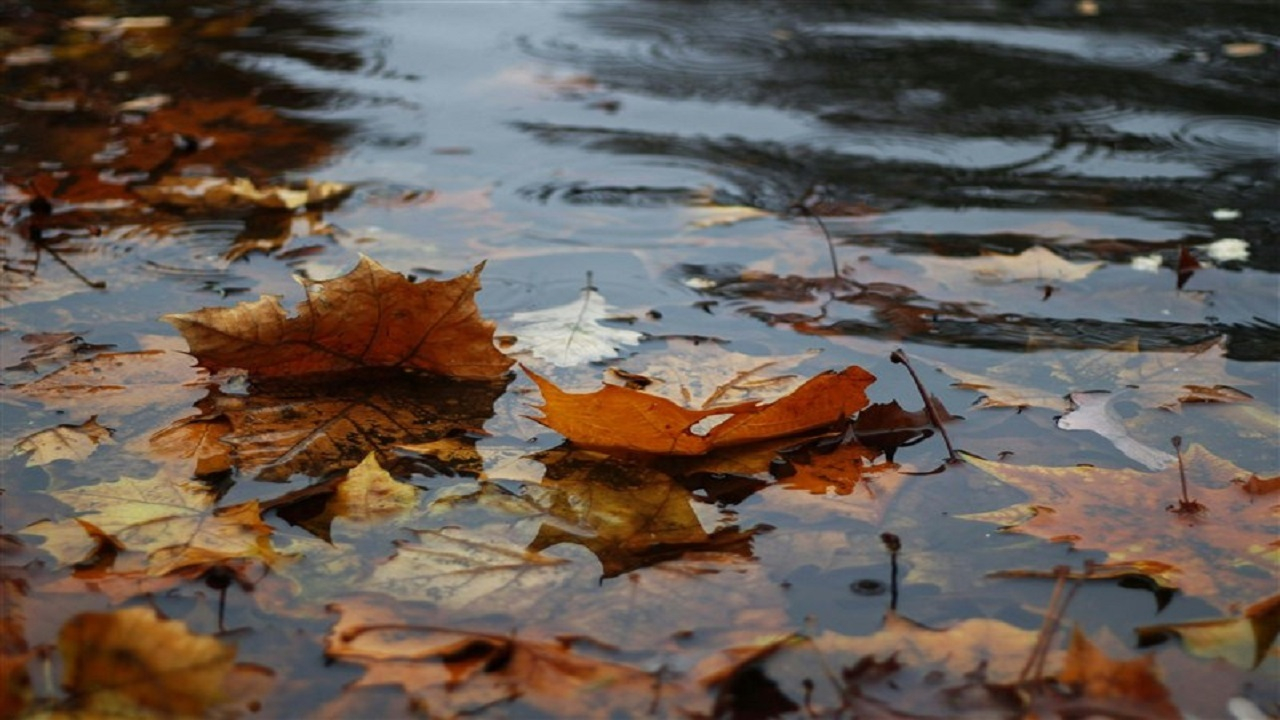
(95, 284)
(893, 544)
(1182, 469)
(900, 357)
(831, 246)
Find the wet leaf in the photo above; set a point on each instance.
(115, 382)
(839, 471)
(1227, 551)
(1244, 641)
(460, 673)
(326, 423)
(571, 334)
(174, 522)
(1122, 686)
(705, 375)
(370, 317)
(64, 442)
(130, 661)
(213, 193)
(620, 419)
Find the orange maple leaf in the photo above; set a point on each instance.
(621, 419)
(370, 317)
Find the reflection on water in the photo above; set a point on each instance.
(690, 160)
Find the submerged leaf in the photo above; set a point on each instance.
(1226, 550)
(64, 442)
(129, 662)
(370, 317)
(1120, 685)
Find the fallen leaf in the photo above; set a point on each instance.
(1095, 412)
(1244, 641)
(370, 317)
(54, 349)
(1227, 551)
(571, 334)
(459, 673)
(130, 661)
(839, 471)
(116, 382)
(369, 494)
(1128, 688)
(214, 193)
(326, 423)
(174, 522)
(64, 442)
(620, 419)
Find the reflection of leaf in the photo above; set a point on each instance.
(1036, 263)
(571, 334)
(130, 663)
(1244, 641)
(1094, 412)
(1155, 379)
(174, 522)
(705, 375)
(628, 515)
(370, 317)
(838, 471)
(212, 193)
(64, 442)
(458, 673)
(332, 422)
(1229, 547)
(616, 418)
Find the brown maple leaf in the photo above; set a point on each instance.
(370, 317)
(1224, 552)
(620, 419)
(1127, 688)
(326, 423)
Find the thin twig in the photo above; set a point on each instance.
(900, 357)
(95, 284)
(893, 544)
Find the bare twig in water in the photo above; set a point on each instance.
(900, 357)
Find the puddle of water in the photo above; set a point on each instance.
(557, 142)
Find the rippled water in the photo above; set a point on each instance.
(553, 140)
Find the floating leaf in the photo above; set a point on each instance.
(1095, 412)
(615, 418)
(1036, 263)
(370, 317)
(210, 193)
(1128, 688)
(1244, 641)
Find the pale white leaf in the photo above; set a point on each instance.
(571, 334)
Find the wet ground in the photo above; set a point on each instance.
(769, 178)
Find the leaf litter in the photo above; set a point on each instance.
(619, 573)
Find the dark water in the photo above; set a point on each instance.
(563, 139)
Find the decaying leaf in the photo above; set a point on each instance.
(1244, 641)
(64, 442)
(370, 317)
(1128, 688)
(116, 382)
(214, 193)
(838, 471)
(459, 673)
(1227, 551)
(326, 423)
(174, 522)
(130, 662)
(571, 334)
(620, 419)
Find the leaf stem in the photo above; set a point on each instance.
(893, 544)
(900, 357)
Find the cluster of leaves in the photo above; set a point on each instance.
(379, 378)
